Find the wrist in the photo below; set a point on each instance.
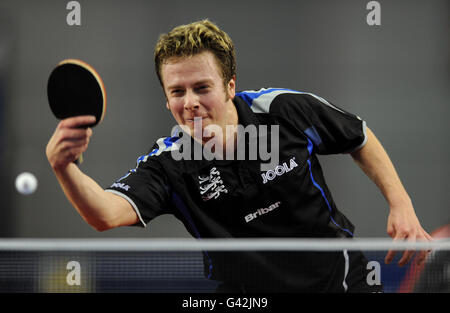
(58, 167)
(400, 203)
(63, 170)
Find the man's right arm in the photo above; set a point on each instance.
(100, 209)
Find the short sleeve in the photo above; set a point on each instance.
(331, 129)
(145, 188)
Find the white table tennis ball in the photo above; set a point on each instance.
(26, 183)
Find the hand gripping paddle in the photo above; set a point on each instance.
(74, 88)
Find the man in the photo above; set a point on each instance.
(239, 197)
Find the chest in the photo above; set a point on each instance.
(276, 174)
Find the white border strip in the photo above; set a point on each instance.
(118, 193)
(186, 244)
(347, 265)
(364, 127)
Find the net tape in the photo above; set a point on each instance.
(187, 244)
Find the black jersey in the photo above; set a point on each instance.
(235, 199)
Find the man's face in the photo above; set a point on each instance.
(194, 89)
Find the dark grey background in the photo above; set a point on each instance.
(395, 76)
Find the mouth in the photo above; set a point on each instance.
(196, 119)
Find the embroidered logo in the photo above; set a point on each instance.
(211, 186)
(120, 185)
(279, 170)
(262, 211)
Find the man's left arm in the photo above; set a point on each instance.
(403, 223)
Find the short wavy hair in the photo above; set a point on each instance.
(197, 37)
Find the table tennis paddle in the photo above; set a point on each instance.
(74, 88)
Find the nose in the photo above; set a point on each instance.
(191, 101)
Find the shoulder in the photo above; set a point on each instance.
(153, 161)
(159, 150)
(164, 144)
(279, 100)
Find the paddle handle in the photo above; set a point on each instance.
(79, 160)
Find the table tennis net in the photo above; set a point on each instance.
(181, 265)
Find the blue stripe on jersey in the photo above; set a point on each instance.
(310, 145)
(249, 96)
(181, 206)
(313, 135)
(168, 141)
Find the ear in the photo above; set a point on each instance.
(167, 105)
(232, 87)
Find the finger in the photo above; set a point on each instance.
(74, 133)
(84, 136)
(422, 256)
(389, 256)
(391, 253)
(74, 153)
(77, 121)
(73, 144)
(427, 235)
(391, 230)
(408, 254)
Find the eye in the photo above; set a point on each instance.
(203, 88)
(176, 92)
